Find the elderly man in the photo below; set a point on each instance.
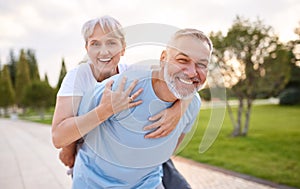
(116, 154)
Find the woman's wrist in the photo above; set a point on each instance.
(103, 112)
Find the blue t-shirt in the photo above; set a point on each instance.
(115, 154)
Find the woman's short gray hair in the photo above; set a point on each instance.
(108, 24)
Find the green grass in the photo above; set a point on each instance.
(32, 115)
(271, 150)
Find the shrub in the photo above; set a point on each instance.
(290, 96)
(205, 94)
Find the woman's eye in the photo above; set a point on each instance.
(95, 44)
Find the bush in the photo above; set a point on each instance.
(205, 94)
(290, 96)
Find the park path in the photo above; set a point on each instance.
(28, 160)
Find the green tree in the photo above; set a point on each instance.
(290, 95)
(62, 74)
(7, 93)
(12, 64)
(46, 79)
(39, 95)
(252, 62)
(33, 67)
(295, 49)
(22, 77)
(54, 90)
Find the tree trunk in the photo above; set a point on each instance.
(248, 113)
(237, 129)
(234, 123)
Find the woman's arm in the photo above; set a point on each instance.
(67, 127)
(167, 120)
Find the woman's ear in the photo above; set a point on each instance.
(86, 46)
(123, 51)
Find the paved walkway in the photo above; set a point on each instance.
(28, 160)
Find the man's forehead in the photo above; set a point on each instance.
(189, 45)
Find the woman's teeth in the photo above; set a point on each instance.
(104, 59)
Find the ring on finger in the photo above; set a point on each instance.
(130, 99)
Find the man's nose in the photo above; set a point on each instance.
(191, 70)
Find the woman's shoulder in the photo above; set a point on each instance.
(81, 70)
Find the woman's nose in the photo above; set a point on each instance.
(103, 50)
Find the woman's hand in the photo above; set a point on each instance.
(166, 122)
(120, 99)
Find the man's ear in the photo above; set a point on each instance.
(163, 56)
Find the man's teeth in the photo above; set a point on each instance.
(188, 82)
(104, 59)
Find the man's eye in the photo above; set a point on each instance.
(201, 66)
(112, 43)
(182, 60)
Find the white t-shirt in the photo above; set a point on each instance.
(80, 79)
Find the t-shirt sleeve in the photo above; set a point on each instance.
(92, 97)
(192, 113)
(68, 87)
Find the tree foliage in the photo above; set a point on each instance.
(290, 95)
(22, 77)
(24, 87)
(63, 72)
(39, 95)
(7, 94)
(12, 64)
(252, 62)
(33, 67)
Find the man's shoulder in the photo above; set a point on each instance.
(138, 73)
(194, 106)
(196, 101)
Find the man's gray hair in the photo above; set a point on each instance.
(197, 34)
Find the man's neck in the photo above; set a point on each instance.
(160, 87)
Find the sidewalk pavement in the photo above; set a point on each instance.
(28, 160)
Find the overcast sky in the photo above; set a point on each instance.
(52, 27)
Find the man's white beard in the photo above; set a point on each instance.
(179, 93)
